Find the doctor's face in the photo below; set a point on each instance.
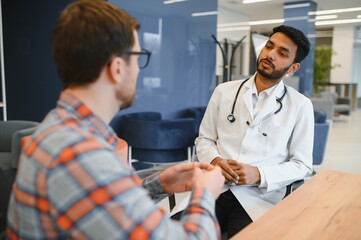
(277, 56)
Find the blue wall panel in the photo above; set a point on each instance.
(296, 15)
(181, 72)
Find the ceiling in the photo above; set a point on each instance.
(274, 10)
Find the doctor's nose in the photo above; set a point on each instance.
(271, 54)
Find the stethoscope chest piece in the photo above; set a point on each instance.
(231, 118)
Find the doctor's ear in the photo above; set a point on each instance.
(294, 68)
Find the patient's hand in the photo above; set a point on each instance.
(179, 178)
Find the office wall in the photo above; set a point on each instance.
(181, 72)
(32, 84)
(342, 44)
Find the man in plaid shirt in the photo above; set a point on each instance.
(72, 183)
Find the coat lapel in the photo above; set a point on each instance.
(247, 97)
(271, 105)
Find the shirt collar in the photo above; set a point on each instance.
(80, 111)
(268, 91)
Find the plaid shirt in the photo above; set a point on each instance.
(72, 184)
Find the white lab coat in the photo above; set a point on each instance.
(282, 157)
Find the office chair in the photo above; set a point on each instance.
(321, 130)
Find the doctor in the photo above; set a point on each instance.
(260, 132)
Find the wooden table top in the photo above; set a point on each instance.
(327, 206)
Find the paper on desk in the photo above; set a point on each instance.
(182, 201)
(253, 201)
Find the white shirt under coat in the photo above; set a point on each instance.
(283, 156)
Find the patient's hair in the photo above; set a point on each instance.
(87, 35)
(303, 45)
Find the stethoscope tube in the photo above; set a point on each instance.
(231, 118)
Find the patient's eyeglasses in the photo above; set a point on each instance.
(144, 57)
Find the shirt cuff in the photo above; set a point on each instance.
(262, 183)
(152, 185)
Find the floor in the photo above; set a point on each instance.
(343, 149)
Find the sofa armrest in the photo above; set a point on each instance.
(344, 100)
(321, 132)
(16, 143)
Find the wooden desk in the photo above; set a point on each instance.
(328, 206)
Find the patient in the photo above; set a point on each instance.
(71, 182)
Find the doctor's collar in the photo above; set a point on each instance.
(268, 91)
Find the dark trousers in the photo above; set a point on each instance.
(230, 214)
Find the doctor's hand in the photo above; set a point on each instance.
(247, 174)
(227, 170)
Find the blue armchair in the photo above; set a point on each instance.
(155, 141)
(322, 128)
(197, 113)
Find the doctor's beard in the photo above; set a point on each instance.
(275, 75)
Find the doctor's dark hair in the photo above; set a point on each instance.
(87, 35)
(303, 45)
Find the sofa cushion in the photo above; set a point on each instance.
(6, 160)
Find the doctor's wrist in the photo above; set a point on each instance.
(216, 161)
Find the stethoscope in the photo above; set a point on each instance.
(231, 117)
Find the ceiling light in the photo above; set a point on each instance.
(254, 1)
(242, 25)
(340, 10)
(263, 22)
(332, 22)
(251, 23)
(231, 29)
(234, 24)
(325, 17)
(173, 1)
(201, 14)
(301, 5)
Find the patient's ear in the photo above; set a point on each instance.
(115, 69)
